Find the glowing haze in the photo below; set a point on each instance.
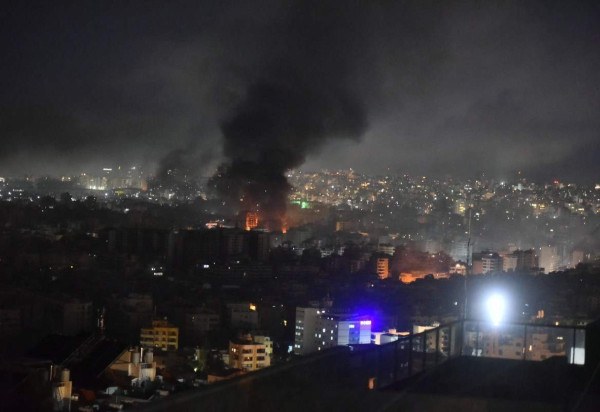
(448, 88)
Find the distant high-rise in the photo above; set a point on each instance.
(519, 261)
(577, 257)
(318, 330)
(491, 262)
(243, 315)
(486, 262)
(383, 267)
(548, 259)
(251, 220)
(160, 335)
(460, 250)
(526, 259)
(306, 321)
(509, 263)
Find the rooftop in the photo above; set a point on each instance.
(408, 375)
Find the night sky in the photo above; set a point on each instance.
(437, 88)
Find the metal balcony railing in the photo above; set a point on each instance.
(341, 377)
(412, 354)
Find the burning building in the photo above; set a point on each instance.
(251, 220)
(288, 110)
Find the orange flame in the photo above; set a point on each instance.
(251, 220)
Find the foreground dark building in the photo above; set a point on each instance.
(407, 375)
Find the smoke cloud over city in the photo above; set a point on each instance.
(195, 190)
(449, 89)
(300, 98)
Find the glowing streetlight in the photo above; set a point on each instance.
(496, 306)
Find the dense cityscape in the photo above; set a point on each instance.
(119, 260)
(300, 205)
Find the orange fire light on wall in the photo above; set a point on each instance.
(251, 220)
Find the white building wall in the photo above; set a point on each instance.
(306, 322)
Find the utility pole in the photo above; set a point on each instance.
(468, 271)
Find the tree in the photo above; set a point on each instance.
(90, 202)
(66, 198)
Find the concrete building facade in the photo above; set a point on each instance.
(162, 335)
(248, 355)
(318, 330)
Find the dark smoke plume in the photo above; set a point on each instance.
(180, 170)
(300, 99)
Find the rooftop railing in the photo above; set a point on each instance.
(343, 377)
(416, 353)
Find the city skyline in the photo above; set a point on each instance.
(299, 205)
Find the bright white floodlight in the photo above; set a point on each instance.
(496, 306)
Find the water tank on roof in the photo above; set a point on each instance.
(65, 375)
(149, 356)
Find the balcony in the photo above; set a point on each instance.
(466, 365)
(418, 353)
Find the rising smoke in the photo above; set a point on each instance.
(302, 96)
(180, 170)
